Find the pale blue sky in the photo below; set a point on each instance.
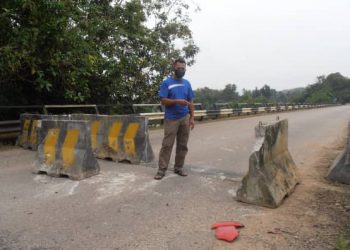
(282, 43)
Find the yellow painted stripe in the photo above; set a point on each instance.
(50, 145)
(95, 127)
(113, 134)
(33, 134)
(129, 138)
(68, 148)
(24, 136)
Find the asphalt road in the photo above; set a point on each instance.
(124, 208)
(225, 145)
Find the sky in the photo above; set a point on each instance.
(282, 43)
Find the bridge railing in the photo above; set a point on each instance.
(155, 112)
(9, 129)
(158, 113)
(92, 106)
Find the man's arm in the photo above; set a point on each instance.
(191, 108)
(171, 102)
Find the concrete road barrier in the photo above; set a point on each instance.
(29, 134)
(28, 137)
(340, 168)
(120, 137)
(65, 149)
(115, 137)
(272, 172)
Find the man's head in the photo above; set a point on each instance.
(179, 68)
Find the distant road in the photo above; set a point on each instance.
(225, 145)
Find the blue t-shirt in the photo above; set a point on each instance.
(176, 89)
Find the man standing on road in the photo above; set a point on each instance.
(177, 96)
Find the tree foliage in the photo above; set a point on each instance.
(97, 51)
(208, 97)
(334, 88)
(330, 89)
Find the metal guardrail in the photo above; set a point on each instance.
(11, 128)
(237, 111)
(46, 107)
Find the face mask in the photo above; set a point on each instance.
(179, 73)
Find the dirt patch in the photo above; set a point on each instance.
(316, 216)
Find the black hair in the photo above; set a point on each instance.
(179, 60)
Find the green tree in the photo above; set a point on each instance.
(229, 93)
(330, 89)
(268, 93)
(246, 96)
(207, 96)
(339, 87)
(290, 95)
(263, 95)
(98, 51)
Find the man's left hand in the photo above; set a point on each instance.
(192, 123)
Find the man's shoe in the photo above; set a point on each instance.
(180, 172)
(159, 175)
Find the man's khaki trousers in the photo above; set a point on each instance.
(179, 129)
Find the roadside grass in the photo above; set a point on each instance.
(342, 243)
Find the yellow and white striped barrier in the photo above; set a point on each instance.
(28, 137)
(119, 137)
(65, 149)
(116, 137)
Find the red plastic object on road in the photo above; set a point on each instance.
(227, 233)
(235, 224)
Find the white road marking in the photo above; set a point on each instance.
(71, 191)
(228, 149)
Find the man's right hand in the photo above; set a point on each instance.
(181, 102)
(171, 102)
